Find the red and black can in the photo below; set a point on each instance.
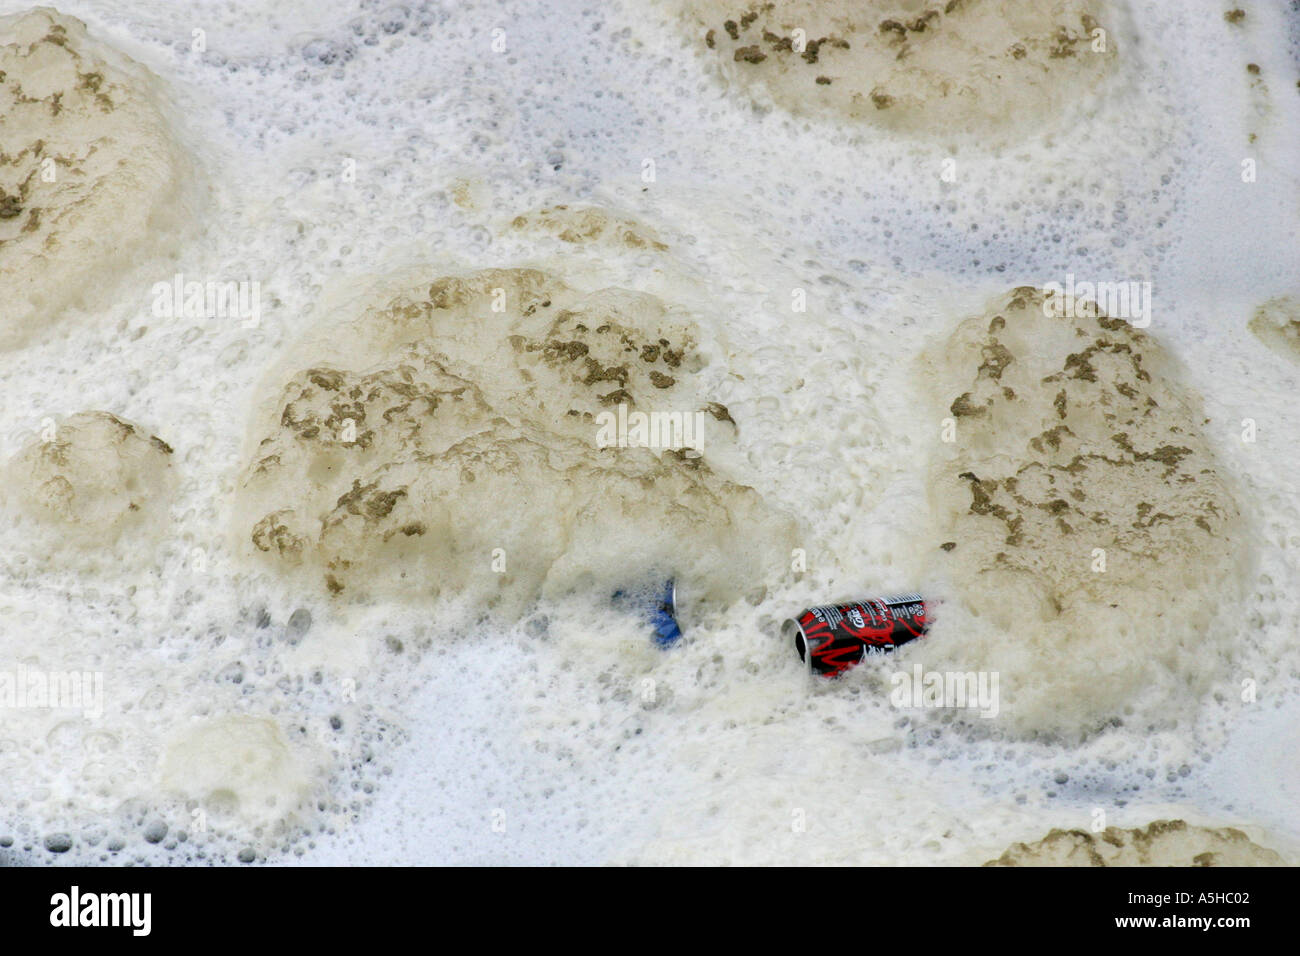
(834, 638)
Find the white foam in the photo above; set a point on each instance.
(410, 753)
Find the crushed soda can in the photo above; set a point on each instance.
(658, 605)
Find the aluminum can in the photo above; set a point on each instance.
(832, 638)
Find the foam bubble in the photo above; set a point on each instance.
(939, 68)
(1084, 519)
(1276, 323)
(93, 478)
(583, 224)
(466, 440)
(1160, 843)
(90, 174)
(237, 766)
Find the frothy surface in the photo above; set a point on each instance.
(569, 737)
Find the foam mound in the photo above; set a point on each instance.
(1160, 843)
(959, 65)
(1083, 519)
(236, 766)
(461, 435)
(1276, 323)
(94, 479)
(88, 168)
(584, 225)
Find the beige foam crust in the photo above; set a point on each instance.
(87, 117)
(1085, 524)
(1276, 323)
(1159, 843)
(237, 767)
(930, 67)
(434, 445)
(91, 480)
(583, 224)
